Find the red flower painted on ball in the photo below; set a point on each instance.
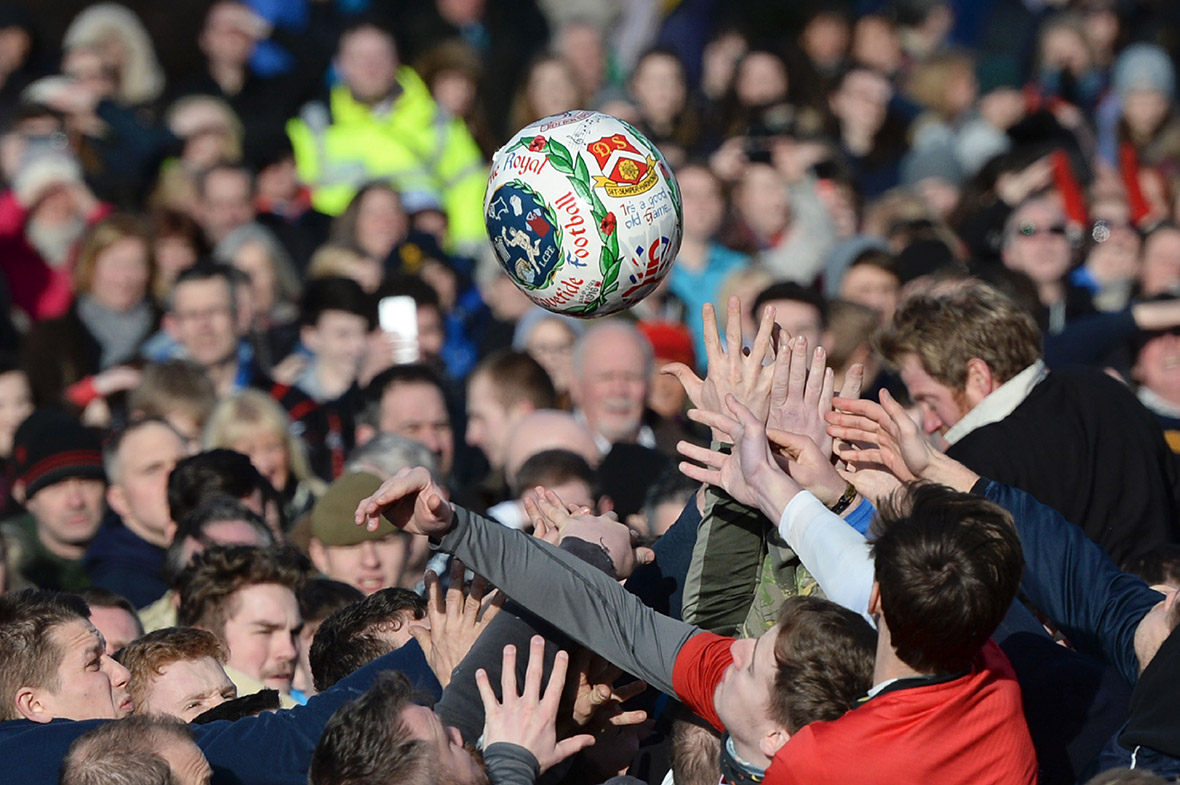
(537, 145)
(607, 224)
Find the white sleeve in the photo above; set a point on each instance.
(835, 554)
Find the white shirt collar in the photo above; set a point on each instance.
(1157, 403)
(1000, 403)
(645, 438)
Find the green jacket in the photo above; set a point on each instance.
(428, 156)
(741, 571)
(30, 563)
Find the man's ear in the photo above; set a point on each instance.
(31, 704)
(365, 434)
(315, 550)
(18, 492)
(773, 740)
(980, 382)
(875, 600)
(310, 338)
(117, 500)
(170, 326)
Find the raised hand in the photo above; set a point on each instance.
(529, 719)
(456, 622)
(410, 500)
(547, 511)
(891, 438)
(749, 473)
(729, 369)
(807, 465)
(801, 395)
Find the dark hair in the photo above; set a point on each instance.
(321, 597)
(353, 636)
(948, 565)
(124, 752)
(423, 293)
(167, 222)
(214, 509)
(517, 377)
(366, 742)
(875, 257)
(412, 373)
(29, 657)
(205, 474)
(335, 293)
(207, 586)
(554, 467)
(824, 655)
(670, 486)
(206, 270)
(1159, 565)
(98, 597)
(789, 290)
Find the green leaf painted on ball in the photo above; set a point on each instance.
(559, 157)
(580, 170)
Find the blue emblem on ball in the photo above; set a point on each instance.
(525, 234)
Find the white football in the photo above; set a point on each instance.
(583, 213)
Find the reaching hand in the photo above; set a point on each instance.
(548, 511)
(800, 397)
(749, 473)
(529, 719)
(596, 700)
(409, 500)
(729, 369)
(802, 459)
(899, 444)
(456, 622)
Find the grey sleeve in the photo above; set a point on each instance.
(594, 610)
(510, 764)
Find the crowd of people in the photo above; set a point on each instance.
(879, 485)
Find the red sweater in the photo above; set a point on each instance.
(970, 730)
(41, 291)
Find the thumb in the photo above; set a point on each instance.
(422, 635)
(794, 443)
(644, 556)
(571, 746)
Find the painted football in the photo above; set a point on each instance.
(583, 213)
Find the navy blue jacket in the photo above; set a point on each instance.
(121, 561)
(1095, 604)
(272, 749)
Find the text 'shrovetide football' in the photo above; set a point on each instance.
(583, 213)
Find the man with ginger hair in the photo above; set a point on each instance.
(177, 671)
(972, 361)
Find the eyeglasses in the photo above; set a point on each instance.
(1030, 229)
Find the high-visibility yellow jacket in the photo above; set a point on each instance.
(424, 153)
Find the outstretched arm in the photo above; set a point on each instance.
(594, 610)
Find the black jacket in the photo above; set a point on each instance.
(1082, 443)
